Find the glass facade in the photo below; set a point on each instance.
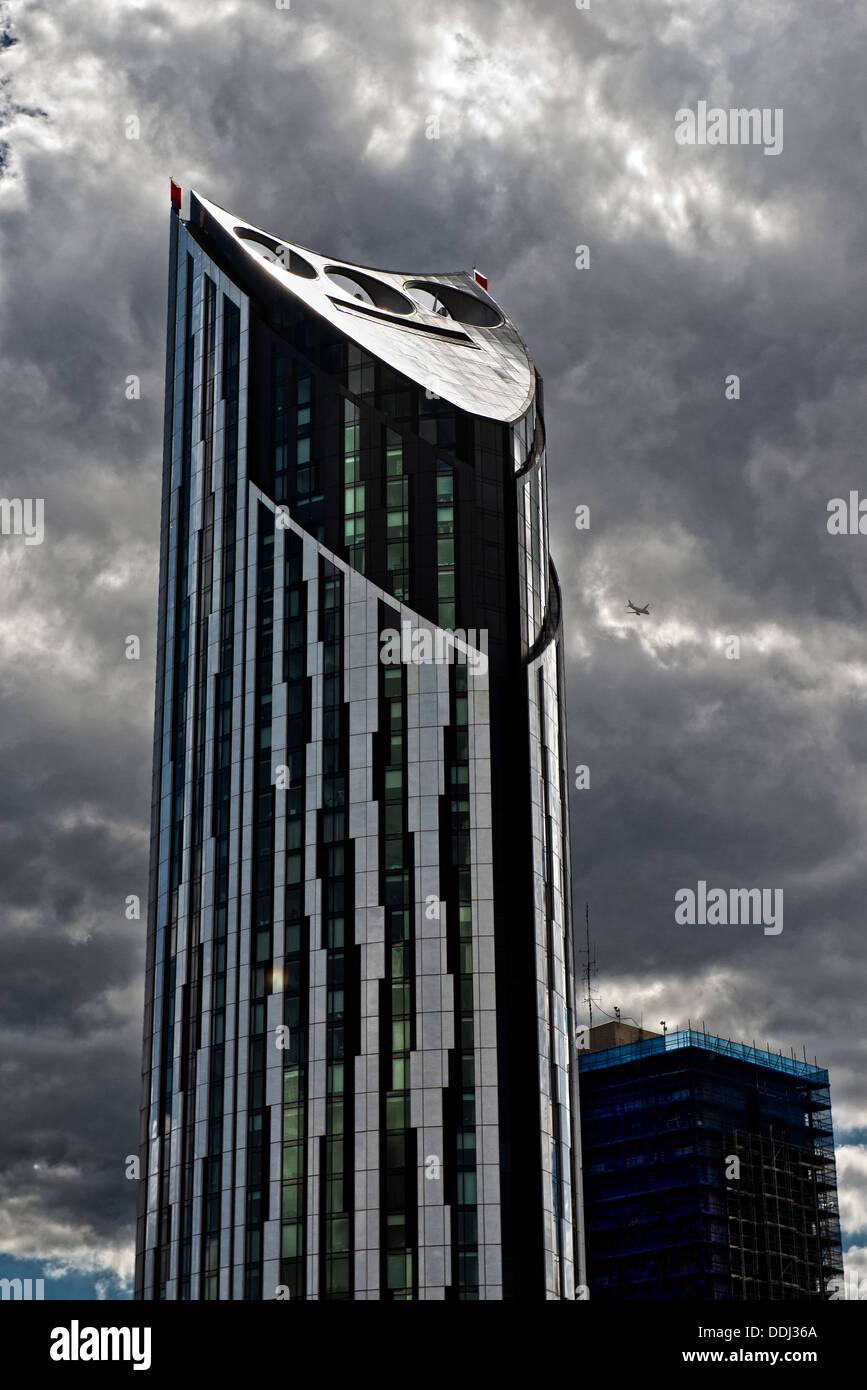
(357, 1079)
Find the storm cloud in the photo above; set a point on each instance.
(741, 765)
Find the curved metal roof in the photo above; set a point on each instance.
(465, 350)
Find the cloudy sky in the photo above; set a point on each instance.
(556, 130)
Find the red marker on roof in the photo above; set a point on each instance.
(176, 194)
(480, 279)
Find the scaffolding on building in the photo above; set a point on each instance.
(669, 1215)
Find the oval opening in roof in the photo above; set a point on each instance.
(463, 307)
(427, 300)
(276, 253)
(368, 289)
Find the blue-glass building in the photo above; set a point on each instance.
(708, 1169)
(358, 1079)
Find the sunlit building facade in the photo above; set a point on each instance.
(357, 1078)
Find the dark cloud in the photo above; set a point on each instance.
(556, 129)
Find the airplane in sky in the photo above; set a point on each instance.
(641, 612)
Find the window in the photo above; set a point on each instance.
(354, 534)
(397, 519)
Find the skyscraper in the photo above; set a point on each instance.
(708, 1170)
(357, 1078)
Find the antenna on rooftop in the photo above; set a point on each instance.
(590, 965)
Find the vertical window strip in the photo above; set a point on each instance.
(178, 756)
(206, 401)
(186, 1081)
(209, 1263)
(445, 544)
(280, 386)
(231, 392)
(528, 563)
(336, 868)
(354, 491)
(399, 1158)
(309, 500)
(543, 533)
(209, 1257)
(191, 1042)
(465, 1248)
(467, 1210)
(293, 1205)
(396, 519)
(182, 602)
(557, 1176)
(262, 915)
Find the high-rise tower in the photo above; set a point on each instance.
(358, 1080)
